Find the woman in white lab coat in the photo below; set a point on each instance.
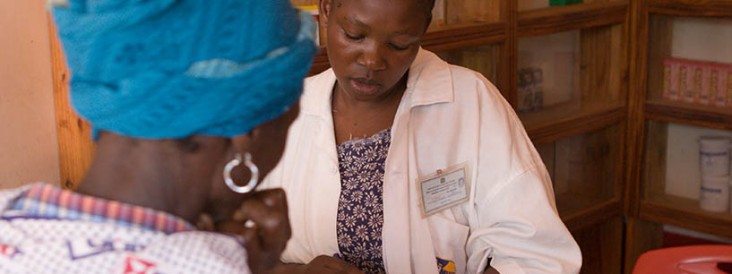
(402, 163)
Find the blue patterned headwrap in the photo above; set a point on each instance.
(174, 68)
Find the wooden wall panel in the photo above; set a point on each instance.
(74, 134)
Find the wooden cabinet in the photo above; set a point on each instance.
(581, 53)
(663, 156)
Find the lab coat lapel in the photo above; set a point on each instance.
(407, 241)
(326, 188)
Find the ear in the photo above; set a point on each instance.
(324, 9)
(429, 21)
(243, 143)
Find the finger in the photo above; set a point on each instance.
(271, 224)
(230, 227)
(205, 222)
(247, 235)
(334, 264)
(273, 198)
(268, 218)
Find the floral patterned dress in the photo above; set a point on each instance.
(360, 207)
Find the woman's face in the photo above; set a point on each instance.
(372, 43)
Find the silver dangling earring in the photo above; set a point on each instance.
(247, 163)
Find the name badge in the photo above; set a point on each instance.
(444, 189)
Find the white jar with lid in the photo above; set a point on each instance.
(714, 193)
(714, 156)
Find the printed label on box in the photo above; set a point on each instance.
(715, 90)
(667, 79)
(674, 82)
(685, 82)
(701, 83)
(697, 82)
(728, 84)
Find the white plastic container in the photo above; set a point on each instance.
(714, 193)
(714, 156)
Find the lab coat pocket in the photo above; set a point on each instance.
(449, 239)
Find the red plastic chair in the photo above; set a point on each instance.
(706, 259)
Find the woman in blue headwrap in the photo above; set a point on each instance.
(190, 102)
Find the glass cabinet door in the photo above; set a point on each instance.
(571, 75)
(483, 59)
(585, 172)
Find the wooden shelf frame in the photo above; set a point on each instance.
(593, 215)
(74, 134)
(684, 212)
(692, 8)
(559, 19)
(689, 114)
(453, 37)
(575, 124)
(646, 204)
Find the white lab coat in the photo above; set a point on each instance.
(448, 115)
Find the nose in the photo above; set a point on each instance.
(371, 57)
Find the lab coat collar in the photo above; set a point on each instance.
(427, 74)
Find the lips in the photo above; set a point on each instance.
(365, 86)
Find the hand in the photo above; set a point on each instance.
(491, 270)
(321, 264)
(262, 222)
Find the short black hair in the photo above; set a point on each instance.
(428, 5)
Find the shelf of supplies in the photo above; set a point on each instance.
(684, 212)
(558, 19)
(693, 8)
(564, 120)
(689, 114)
(592, 214)
(444, 38)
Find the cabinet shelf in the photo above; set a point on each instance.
(565, 120)
(558, 19)
(692, 8)
(593, 213)
(684, 113)
(667, 209)
(452, 37)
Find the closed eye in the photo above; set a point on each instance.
(399, 48)
(353, 37)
